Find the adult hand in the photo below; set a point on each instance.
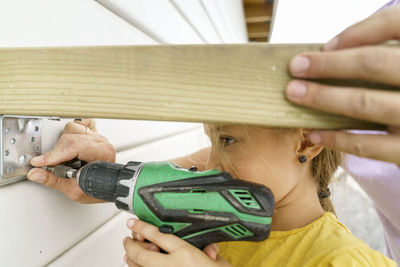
(180, 253)
(78, 140)
(354, 55)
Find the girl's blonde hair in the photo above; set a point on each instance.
(323, 165)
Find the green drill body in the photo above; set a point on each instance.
(200, 207)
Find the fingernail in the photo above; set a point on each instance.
(38, 176)
(153, 248)
(130, 223)
(138, 236)
(315, 138)
(299, 65)
(331, 45)
(125, 258)
(37, 160)
(296, 90)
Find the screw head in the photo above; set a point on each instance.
(193, 169)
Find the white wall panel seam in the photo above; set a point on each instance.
(165, 24)
(84, 237)
(215, 15)
(131, 21)
(187, 20)
(194, 12)
(211, 20)
(122, 18)
(63, 23)
(233, 15)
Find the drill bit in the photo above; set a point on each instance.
(61, 171)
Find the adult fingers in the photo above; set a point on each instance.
(68, 187)
(167, 242)
(212, 251)
(372, 63)
(380, 147)
(222, 262)
(378, 28)
(91, 123)
(84, 147)
(74, 127)
(139, 254)
(372, 105)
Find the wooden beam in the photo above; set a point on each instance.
(198, 83)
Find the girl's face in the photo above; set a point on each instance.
(264, 156)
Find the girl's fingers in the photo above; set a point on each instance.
(212, 251)
(366, 104)
(137, 236)
(129, 262)
(140, 254)
(372, 63)
(379, 147)
(378, 28)
(167, 242)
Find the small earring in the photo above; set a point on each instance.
(302, 158)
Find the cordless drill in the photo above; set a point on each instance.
(199, 207)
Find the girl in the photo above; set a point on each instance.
(304, 230)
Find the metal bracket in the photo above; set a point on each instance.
(21, 140)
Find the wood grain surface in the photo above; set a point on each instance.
(197, 83)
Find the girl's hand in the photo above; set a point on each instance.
(180, 253)
(352, 55)
(78, 140)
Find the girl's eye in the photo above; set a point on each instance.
(226, 141)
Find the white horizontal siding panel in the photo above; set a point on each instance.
(38, 223)
(157, 18)
(124, 134)
(102, 248)
(167, 148)
(25, 23)
(194, 12)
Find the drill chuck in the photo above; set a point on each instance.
(110, 181)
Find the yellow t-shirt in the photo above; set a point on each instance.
(324, 242)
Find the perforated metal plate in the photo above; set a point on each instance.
(21, 140)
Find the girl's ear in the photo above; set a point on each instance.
(306, 148)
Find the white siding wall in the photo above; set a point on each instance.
(39, 226)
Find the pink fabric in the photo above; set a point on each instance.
(381, 181)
